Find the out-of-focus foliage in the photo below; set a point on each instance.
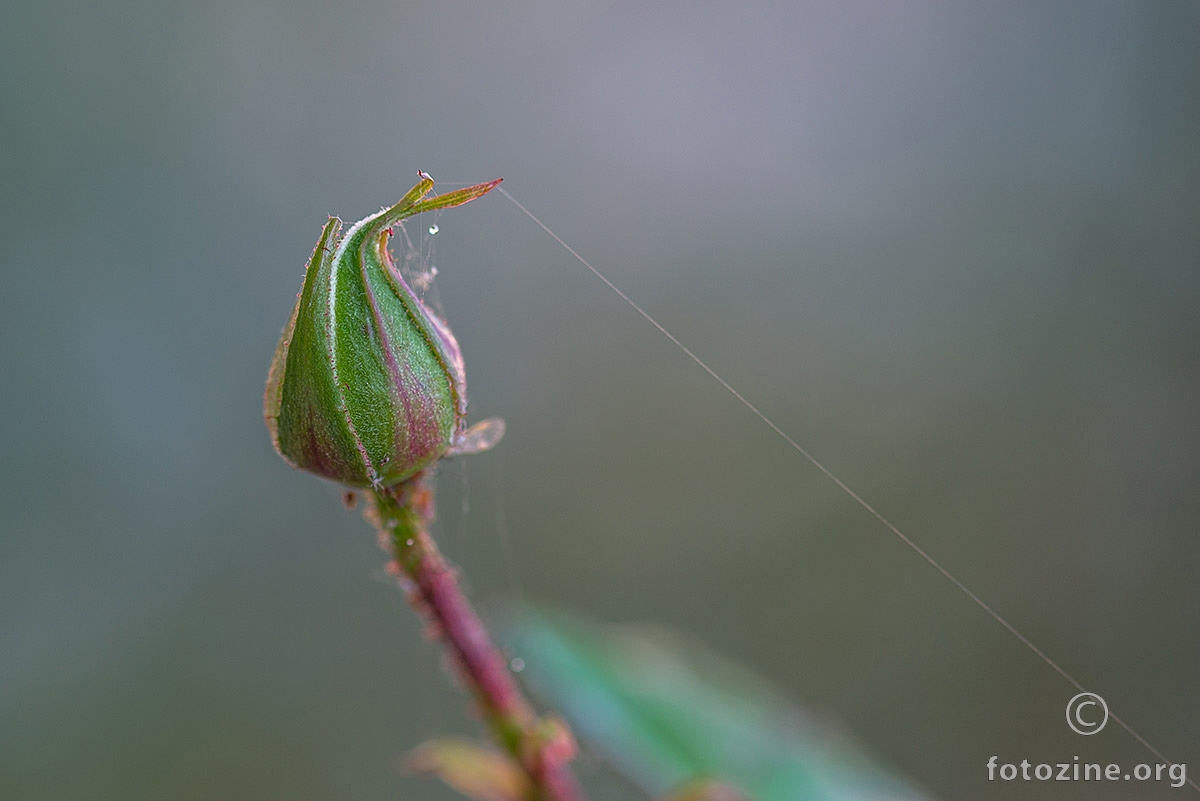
(477, 771)
(665, 711)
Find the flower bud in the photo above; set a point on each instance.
(367, 385)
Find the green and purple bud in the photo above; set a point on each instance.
(367, 385)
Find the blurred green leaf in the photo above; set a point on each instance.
(476, 771)
(666, 712)
(705, 790)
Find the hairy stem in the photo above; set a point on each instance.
(542, 747)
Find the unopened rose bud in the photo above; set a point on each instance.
(367, 384)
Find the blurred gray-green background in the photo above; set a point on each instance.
(953, 250)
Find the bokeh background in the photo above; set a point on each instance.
(953, 250)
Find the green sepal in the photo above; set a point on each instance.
(367, 385)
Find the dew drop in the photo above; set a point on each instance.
(517, 664)
(433, 229)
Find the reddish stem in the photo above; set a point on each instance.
(542, 747)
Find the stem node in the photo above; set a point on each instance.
(542, 746)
